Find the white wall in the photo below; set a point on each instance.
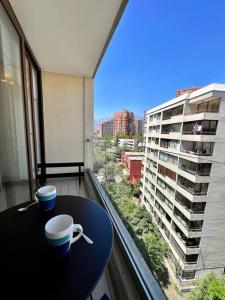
(68, 117)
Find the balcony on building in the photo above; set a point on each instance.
(170, 144)
(197, 148)
(190, 225)
(191, 187)
(153, 130)
(187, 259)
(192, 207)
(190, 243)
(205, 127)
(199, 169)
(172, 112)
(155, 117)
(171, 128)
(203, 106)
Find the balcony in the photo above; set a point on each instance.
(193, 211)
(170, 144)
(211, 106)
(190, 259)
(193, 188)
(55, 89)
(188, 245)
(206, 127)
(189, 225)
(192, 207)
(197, 148)
(173, 112)
(197, 169)
(171, 128)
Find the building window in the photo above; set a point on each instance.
(188, 275)
(166, 172)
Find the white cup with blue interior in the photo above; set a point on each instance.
(59, 234)
(46, 197)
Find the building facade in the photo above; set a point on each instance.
(132, 162)
(138, 125)
(183, 182)
(123, 122)
(106, 128)
(128, 143)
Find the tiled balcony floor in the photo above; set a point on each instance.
(70, 186)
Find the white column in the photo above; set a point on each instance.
(88, 88)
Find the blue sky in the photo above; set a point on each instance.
(160, 46)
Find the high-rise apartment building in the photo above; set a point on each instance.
(138, 125)
(106, 128)
(183, 179)
(123, 122)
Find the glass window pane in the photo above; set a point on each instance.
(14, 179)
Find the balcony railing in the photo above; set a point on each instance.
(206, 127)
(199, 111)
(195, 208)
(197, 148)
(192, 243)
(190, 225)
(187, 259)
(211, 106)
(175, 111)
(193, 188)
(202, 169)
(171, 128)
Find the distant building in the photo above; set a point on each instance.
(132, 162)
(129, 143)
(123, 122)
(138, 125)
(185, 91)
(106, 128)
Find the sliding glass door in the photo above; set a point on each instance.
(14, 174)
(31, 128)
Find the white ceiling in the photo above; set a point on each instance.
(67, 36)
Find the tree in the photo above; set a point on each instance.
(138, 137)
(99, 160)
(107, 137)
(110, 156)
(211, 287)
(136, 189)
(122, 135)
(156, 249)
(111, 171)
(140, 225)
(119, 191)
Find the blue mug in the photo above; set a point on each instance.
(59, 234)
(46, 197)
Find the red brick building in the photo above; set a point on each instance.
(123, 122)
(132, 165)
(184, 91)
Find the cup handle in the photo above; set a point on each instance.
(77, 227)
(35, 197)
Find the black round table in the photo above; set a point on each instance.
(29, 271)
